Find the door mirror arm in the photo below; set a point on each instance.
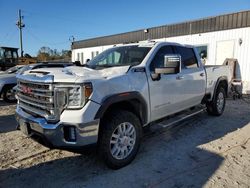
(155, 76)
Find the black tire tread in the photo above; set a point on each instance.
(4, 94)
(108, 125)
(212, 106)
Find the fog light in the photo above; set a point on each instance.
(70, 133)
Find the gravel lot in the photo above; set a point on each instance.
(203, 151)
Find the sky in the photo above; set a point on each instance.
(52, 23)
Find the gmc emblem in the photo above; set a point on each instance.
(26, 90)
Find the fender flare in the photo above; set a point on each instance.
(219, 80)
(124, 97)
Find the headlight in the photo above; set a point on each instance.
(72, 96)
(75, 97)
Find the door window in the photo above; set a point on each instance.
(202, 51)
(158, 60)
(188, 58)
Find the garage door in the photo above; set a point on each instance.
(224, 49)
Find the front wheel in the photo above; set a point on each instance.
(9, 95)
(120, 139)
(217, 105)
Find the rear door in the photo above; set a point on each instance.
(192, 78)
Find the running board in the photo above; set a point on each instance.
(182, 116)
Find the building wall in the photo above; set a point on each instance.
(83, 54)
(213, 39)
(220, 44)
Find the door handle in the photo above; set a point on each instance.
(179, 77)
(202, 74)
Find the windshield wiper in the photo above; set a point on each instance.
(103, 66)
(86, 65)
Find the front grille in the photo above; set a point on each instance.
(37, 99)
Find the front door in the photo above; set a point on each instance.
(175, 92)
(166, 91)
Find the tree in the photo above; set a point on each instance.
(44, 54)
(66, 54)
(47, 54)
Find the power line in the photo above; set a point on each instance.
(45, 42)
(9, 35)
(55, 17)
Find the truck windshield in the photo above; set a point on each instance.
(119, 56)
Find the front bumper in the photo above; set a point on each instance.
(55, 134)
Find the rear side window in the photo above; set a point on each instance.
(188, 57)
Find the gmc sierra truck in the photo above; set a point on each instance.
(111, 98)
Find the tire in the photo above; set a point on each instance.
(217, 105)
(121, 133)
(8, 94)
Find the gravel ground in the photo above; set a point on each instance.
(203, 151)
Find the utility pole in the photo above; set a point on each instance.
(72, 39)
(20, 25)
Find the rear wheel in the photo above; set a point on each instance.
(8, 94)
(217, 105)
(120, 139)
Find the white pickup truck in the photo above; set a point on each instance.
(109, 100)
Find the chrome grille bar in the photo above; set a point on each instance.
(37, 104)
(33, 110)
(37, 98)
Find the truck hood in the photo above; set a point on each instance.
(72, 74)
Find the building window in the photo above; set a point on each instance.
(94, 53)
(202, 51)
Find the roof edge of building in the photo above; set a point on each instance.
(208, 24)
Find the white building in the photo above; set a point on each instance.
(220, 37)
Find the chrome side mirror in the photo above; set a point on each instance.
(172, 65)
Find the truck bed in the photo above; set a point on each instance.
(214, 72)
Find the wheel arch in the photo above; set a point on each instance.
(221, 81)
(130, 101)
(10, 85)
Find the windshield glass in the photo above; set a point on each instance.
(119, 56)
